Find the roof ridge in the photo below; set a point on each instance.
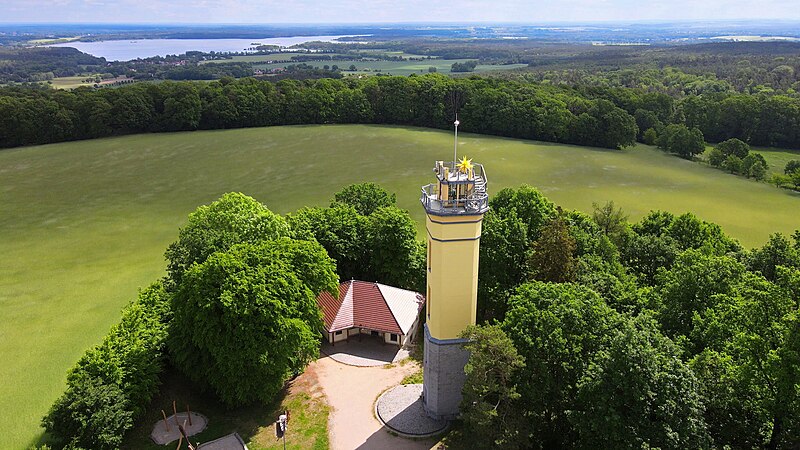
(385, 302)
(341, 309)
(398, 288)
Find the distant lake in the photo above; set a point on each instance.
(126, 50)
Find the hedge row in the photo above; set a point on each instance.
(112, 384)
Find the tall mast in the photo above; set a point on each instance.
(455, 144)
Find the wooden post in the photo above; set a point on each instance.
(166, 424)
(189, 414)
(180, 442)
(175, 413)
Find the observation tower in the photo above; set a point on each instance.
(454, 205)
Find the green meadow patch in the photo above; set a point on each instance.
(84, 224)
(402, 68)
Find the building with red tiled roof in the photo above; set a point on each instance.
(371, 308)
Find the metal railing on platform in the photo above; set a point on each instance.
(476, 203)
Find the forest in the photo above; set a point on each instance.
(600, 116)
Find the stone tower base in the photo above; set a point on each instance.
(444, 376)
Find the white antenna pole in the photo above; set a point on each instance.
(455, 145)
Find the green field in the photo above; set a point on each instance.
(71, 82)
(402, 68)
(84, 224)
(283, 56)
(777, 157)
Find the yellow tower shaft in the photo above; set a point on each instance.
(452, 287)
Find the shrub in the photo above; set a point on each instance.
(91, 414)
(780, 180)
(650, 136)
(758, 171)
(716, 157)
(733, 164)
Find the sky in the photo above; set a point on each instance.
(388, 11)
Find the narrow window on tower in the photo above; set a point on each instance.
(428, 302)
(429, 255)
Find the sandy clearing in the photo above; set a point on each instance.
(351, 393)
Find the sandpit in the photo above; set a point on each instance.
(165, 433)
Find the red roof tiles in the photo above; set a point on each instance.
(362, 304)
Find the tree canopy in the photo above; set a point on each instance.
(671, 335)
(232, 219)
(681, 140)
(262, 299)
(379, 246)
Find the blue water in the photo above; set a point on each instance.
(145, 48)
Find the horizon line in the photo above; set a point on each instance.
(428, 23)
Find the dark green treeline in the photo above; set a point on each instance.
(602, 117)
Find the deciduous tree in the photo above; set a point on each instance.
(366, 198)
(637, 393)
(557, 329)
(233, 219)
(246, 319)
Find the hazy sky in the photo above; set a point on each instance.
(372, 11)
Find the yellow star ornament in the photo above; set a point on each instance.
(465, 165)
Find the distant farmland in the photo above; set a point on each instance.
(405, 67)
(84, 224)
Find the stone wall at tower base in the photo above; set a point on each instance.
(443, 368)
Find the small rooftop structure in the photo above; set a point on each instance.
(370, 308)
(228, 442)
(460, 189)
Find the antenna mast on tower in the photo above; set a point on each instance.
(455, 144)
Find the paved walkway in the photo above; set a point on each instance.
(369, 352)
(351, 393)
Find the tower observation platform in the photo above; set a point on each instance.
(460, 190)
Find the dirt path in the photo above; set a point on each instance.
(351, 393)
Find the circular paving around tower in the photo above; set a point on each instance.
(400, 410)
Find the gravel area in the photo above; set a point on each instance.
(351, 393)
(400, 409)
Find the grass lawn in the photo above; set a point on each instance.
(777, 157)
(84, 224)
